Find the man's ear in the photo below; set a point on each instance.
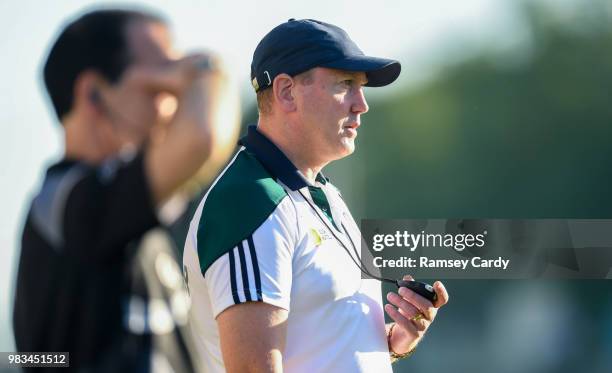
(283, 87)
(87, 93)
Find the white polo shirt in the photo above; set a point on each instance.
(263, 234)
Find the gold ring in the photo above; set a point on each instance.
(417, 317)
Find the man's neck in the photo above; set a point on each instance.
(82, 143)
(308, 167)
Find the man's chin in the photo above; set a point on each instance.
(348, 147)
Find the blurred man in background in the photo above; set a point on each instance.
(84, 286)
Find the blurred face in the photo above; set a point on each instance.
(132, 111)
(329, 106)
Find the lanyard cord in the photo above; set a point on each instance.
(355, 261)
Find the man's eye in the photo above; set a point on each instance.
(347, 82)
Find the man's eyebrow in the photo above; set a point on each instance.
(355, 76)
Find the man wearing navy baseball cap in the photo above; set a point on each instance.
(272, 253)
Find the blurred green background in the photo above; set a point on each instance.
(522, 133)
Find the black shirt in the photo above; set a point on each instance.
(85, 286)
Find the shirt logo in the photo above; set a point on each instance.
(319, 235)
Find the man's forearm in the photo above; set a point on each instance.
(395, 337)
(205, 107)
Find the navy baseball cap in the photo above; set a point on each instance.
(297, 46)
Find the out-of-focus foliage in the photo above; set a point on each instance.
(488, 139)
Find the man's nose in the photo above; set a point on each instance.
(360, 105)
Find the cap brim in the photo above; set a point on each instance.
(379, 71)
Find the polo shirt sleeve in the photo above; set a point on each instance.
(259, 268)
